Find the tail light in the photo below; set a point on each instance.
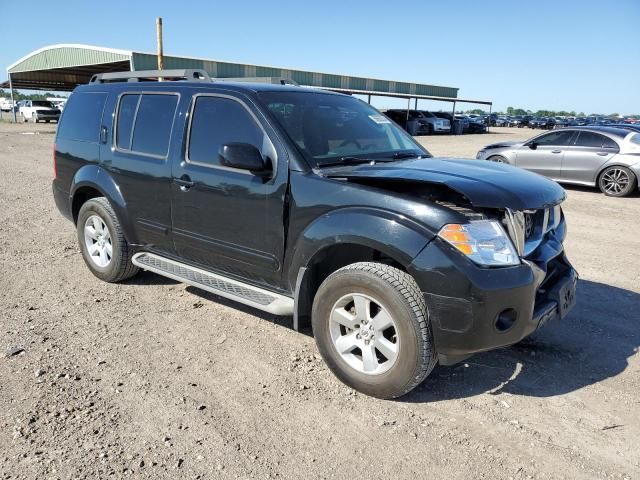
(55, 173)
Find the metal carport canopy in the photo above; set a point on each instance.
(409, 96)
(63, 67)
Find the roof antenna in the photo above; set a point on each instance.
(159, 43)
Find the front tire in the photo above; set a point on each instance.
(616, 181)
(104, 248)
(371, 327)
(498, 159)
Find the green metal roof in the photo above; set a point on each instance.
(62, 67)
(64, 56)
(218, 69)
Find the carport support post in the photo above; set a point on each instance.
(489, 124)
(406, 123)
(13, 105)
(453, 118)
(369, 99)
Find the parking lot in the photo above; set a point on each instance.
(157, 380)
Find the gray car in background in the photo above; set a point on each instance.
(606, 157)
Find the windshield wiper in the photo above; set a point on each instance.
(400, 155)
(346, 161)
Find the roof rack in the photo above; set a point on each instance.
(147, 75)
(274, 80)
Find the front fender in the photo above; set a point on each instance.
(388, 232)
(97, 178)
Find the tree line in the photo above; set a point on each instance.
(33, 96)
(546, 113)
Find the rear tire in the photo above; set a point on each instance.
(371, 327)
(616, 181)
(104, 248)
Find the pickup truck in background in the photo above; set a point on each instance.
(39, 110)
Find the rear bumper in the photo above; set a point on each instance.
(636, 170)
(63, 202)
(474, 309)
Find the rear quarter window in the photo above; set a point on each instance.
(82, 117)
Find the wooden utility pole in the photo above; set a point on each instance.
(159, 42)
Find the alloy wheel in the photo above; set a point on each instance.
(364, 334)
(615, 181)
(97, 239)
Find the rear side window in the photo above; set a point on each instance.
(144, 123)
(610, 144)
(82, 117)
(590, 139)
(126, 114)
(219, 121)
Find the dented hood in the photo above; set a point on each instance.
(485, 184)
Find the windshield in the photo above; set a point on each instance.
(41, 103)
(327, 128)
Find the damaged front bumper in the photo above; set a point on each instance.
(474, 308)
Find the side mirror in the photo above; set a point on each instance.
(244, 157)
(533, 145)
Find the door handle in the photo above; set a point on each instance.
(185, 182)
(556, 151)
(603, 154)
(103, 134)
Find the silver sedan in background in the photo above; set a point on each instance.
(606, 157)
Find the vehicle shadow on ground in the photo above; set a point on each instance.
(286, 322)
(596, 191)
(149, 278)
(593, 343)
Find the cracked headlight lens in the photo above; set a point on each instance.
(484, 241)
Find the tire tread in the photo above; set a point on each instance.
(404, 283)
(124, 269)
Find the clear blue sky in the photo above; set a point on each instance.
(581, 55)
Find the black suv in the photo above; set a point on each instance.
(310, 203)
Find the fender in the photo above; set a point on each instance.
(634, 168)
(388, 232)
(96, 177)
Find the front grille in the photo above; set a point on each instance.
(528, 228)
(528, 225)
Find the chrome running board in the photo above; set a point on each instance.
(225, 287)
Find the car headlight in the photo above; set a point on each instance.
(484, 241)
(480, 154)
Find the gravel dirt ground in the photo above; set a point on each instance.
(152, 379)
